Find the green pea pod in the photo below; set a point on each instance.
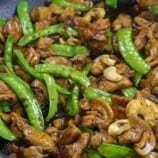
(53, 95)
(5, 133)
(129, 92)
(91, 153)
(25, 94)
(23, 14)
(63, 71)
(129, 51)
(72, 105)
(69, 51)
(64, 3)
(24, 64)
(2, 22)
(8, 53)
(30, 37)
(112, 3)
(70, 32)
(5, 106)
(91, 93)
(153, 8)
(136, 79)
(114, 151)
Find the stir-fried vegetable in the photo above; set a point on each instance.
(129, 51)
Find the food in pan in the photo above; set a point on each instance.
(76, 83)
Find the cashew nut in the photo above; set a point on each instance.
(107, 60)
(97, 13)
(119, 127)
(137, 107)
(147, 143)
(111, 74)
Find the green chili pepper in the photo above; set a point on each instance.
(5, 132)
(153, 8)
(129, 92)
(70, 32)
(23, 14)
(68, 51)
(91, 153)
(27, 98)
(2, 22)
(5, 106)
(63, 71)
(112, 3)
(136, 79)
(8, 53)
(64, 3)
(129, 51)
(114, 151)
(91, 93)
(109, 40)
(72, 105)
(24, 64)
(53, 95)
(30, 37)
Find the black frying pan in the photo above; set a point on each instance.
(8, 8)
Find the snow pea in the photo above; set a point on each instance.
(69, 50)
(26, 96)
(53, 95)
(129, 51)
(24, 17)
(8, 53)
(30, 37)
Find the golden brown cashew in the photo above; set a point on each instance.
(146, 144)
(118, 127)
(137, 107)
(96, 13)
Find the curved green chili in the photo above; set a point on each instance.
(64, 3)
(68, 50)
(5, 133)
(30, 37)
(129, 51)
(23, 14)
(8, 53)
(53, 95)
(24, 64)
(90, 93)
(63, 71)
(153, 8)
(114, 151)
(72, 105)
(25, 94)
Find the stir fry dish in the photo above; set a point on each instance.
(76, 82)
